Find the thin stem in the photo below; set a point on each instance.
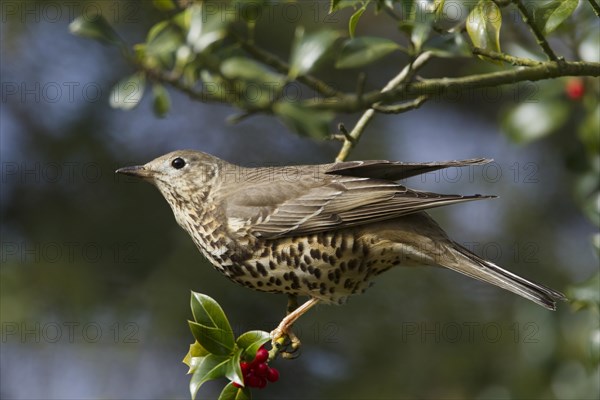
(596, 7)
(400, 108)
(282, 67)
(364, 120)
(517, 61)
(541, 39)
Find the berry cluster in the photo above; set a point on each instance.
(257, 373)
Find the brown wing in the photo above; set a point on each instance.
(395, 171)
(278, 208)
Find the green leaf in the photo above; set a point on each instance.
(231, 392)
(96, 28)
(532, 121)
(483, 25)
(336, 5)
(449, 45)
(549, 16)
(438, 5)
(162, 101)
(208, 368)
(309, 49)
(586, 294)
(207, 28)
(128, 92)
(163, 5)
(249, 70)
(408, 10)
(364, 50)
(211, 327)
(251, 341)
(354, 20)
(304, 121)
(196, 351)
(233, 370)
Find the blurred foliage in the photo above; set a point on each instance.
(203, 43)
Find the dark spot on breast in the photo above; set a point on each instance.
(261, 268)
(352, 264)
(301, 247)
(272, 265)
(317, 273)
(307, 259)
(338, 252)
(315, 254)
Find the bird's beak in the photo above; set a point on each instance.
(139, 171)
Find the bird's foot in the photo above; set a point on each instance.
(285, 342)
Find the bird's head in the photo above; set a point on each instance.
(181, 175)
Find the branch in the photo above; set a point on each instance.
(595, 6)
(280, 66)
(541, 39)
(400, 108)
(516, 61)
(364, 120)
(350, 103)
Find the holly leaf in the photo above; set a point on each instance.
(211, 327)
(483, 25)
(231, 392)
(128, 92)
(304, 121)
(162, 101)
(196, 351)
(309, 49)
(532, 121)
(354, 19)
(364, 50)
(549, 16)
(97, 28)
(251, 341)
(208, 368)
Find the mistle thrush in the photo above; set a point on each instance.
(322, 231)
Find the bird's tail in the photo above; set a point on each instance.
(468, 263)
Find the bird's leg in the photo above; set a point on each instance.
(283, 329)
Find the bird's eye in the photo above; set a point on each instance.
(178, 163)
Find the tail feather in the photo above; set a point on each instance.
(470, 264)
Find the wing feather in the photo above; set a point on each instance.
(273, 208)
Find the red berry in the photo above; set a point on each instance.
(262, 369)
(237, 385)
(253, 380)
(262, 355)
(575, 88)
(272, 375)
(262, 382)
(245, 367)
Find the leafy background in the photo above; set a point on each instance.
(83, 249)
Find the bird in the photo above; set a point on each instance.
(320, 231)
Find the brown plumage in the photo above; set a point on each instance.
(321, 231)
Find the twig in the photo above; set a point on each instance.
(596, 7)
(517, 61)
(541, 39)
(546, 70)
(364, 120)
(400, 108)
